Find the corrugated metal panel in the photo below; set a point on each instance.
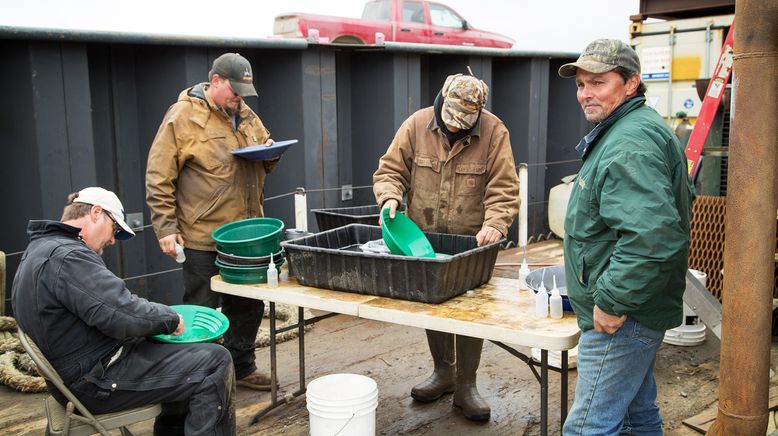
(86, 107)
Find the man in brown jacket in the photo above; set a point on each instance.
(454, 162)
(194, 185)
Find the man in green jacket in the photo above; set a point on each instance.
(626, 244)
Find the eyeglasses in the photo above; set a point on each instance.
(116, 227)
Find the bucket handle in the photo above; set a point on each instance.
(353, 414)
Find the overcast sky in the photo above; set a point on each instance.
(548, 25)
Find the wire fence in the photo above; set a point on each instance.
(152, 274)
(305, 190)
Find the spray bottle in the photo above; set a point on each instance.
(272, 274)
(555, 302)
(541, 299)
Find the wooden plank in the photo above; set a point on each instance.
(702, 421)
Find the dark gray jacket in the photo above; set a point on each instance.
(76, 310)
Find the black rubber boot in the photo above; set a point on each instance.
(442, 379)
(466, 394)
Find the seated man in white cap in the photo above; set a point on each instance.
(93, 330)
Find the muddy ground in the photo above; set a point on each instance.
(397, 358)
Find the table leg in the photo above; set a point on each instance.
(544, 392)
(301, 322)
(273, 363)
(301, 346)
(563, 382)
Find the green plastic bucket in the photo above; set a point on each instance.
(201, 324)
(253, 237)
(244, 275)
(402, 236)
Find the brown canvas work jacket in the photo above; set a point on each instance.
(455, 189)
(193, 183)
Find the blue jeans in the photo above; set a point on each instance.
(616, 391)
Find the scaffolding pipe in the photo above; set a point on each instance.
(523, 201)
(752, 199)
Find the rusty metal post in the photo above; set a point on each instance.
(752, 199)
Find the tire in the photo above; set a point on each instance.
(348, 39)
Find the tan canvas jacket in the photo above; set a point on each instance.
(193, 183)
(455, 189)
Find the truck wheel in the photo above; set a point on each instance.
(348, 39)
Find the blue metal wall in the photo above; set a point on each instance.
(82, 109)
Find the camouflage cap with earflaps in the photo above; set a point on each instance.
(463, 99)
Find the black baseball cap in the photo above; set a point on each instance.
(237, 70)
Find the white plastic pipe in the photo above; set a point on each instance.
(300, 210)
(523, 200)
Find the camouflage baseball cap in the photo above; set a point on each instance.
(601, 56)
(463, 99)
(237, 70)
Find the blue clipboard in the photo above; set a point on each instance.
(263, 152)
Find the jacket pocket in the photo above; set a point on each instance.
(470, 179)
(425, 174)
(575, 258)
(213, 151)
(210, 205)
(427, 162)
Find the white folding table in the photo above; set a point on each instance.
(496, 311)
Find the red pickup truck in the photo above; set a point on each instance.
(413, 21)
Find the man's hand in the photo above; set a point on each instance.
(168, 244)
(487, 235)
(268, 143)
(392, 205)
(180, 328)
(605, 322)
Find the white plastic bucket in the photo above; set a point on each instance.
(691, 332)
(689, 317)
(342, 404)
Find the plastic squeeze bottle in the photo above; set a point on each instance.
(180, 256)
(541, 301)
(555, 302)
(523, 273)
(272, 274)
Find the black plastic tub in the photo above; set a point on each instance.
(330, 260)
(331, 218)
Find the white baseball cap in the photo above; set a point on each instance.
(110, 203)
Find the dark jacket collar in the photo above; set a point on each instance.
(37, 229)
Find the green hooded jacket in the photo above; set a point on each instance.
(627, 224)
